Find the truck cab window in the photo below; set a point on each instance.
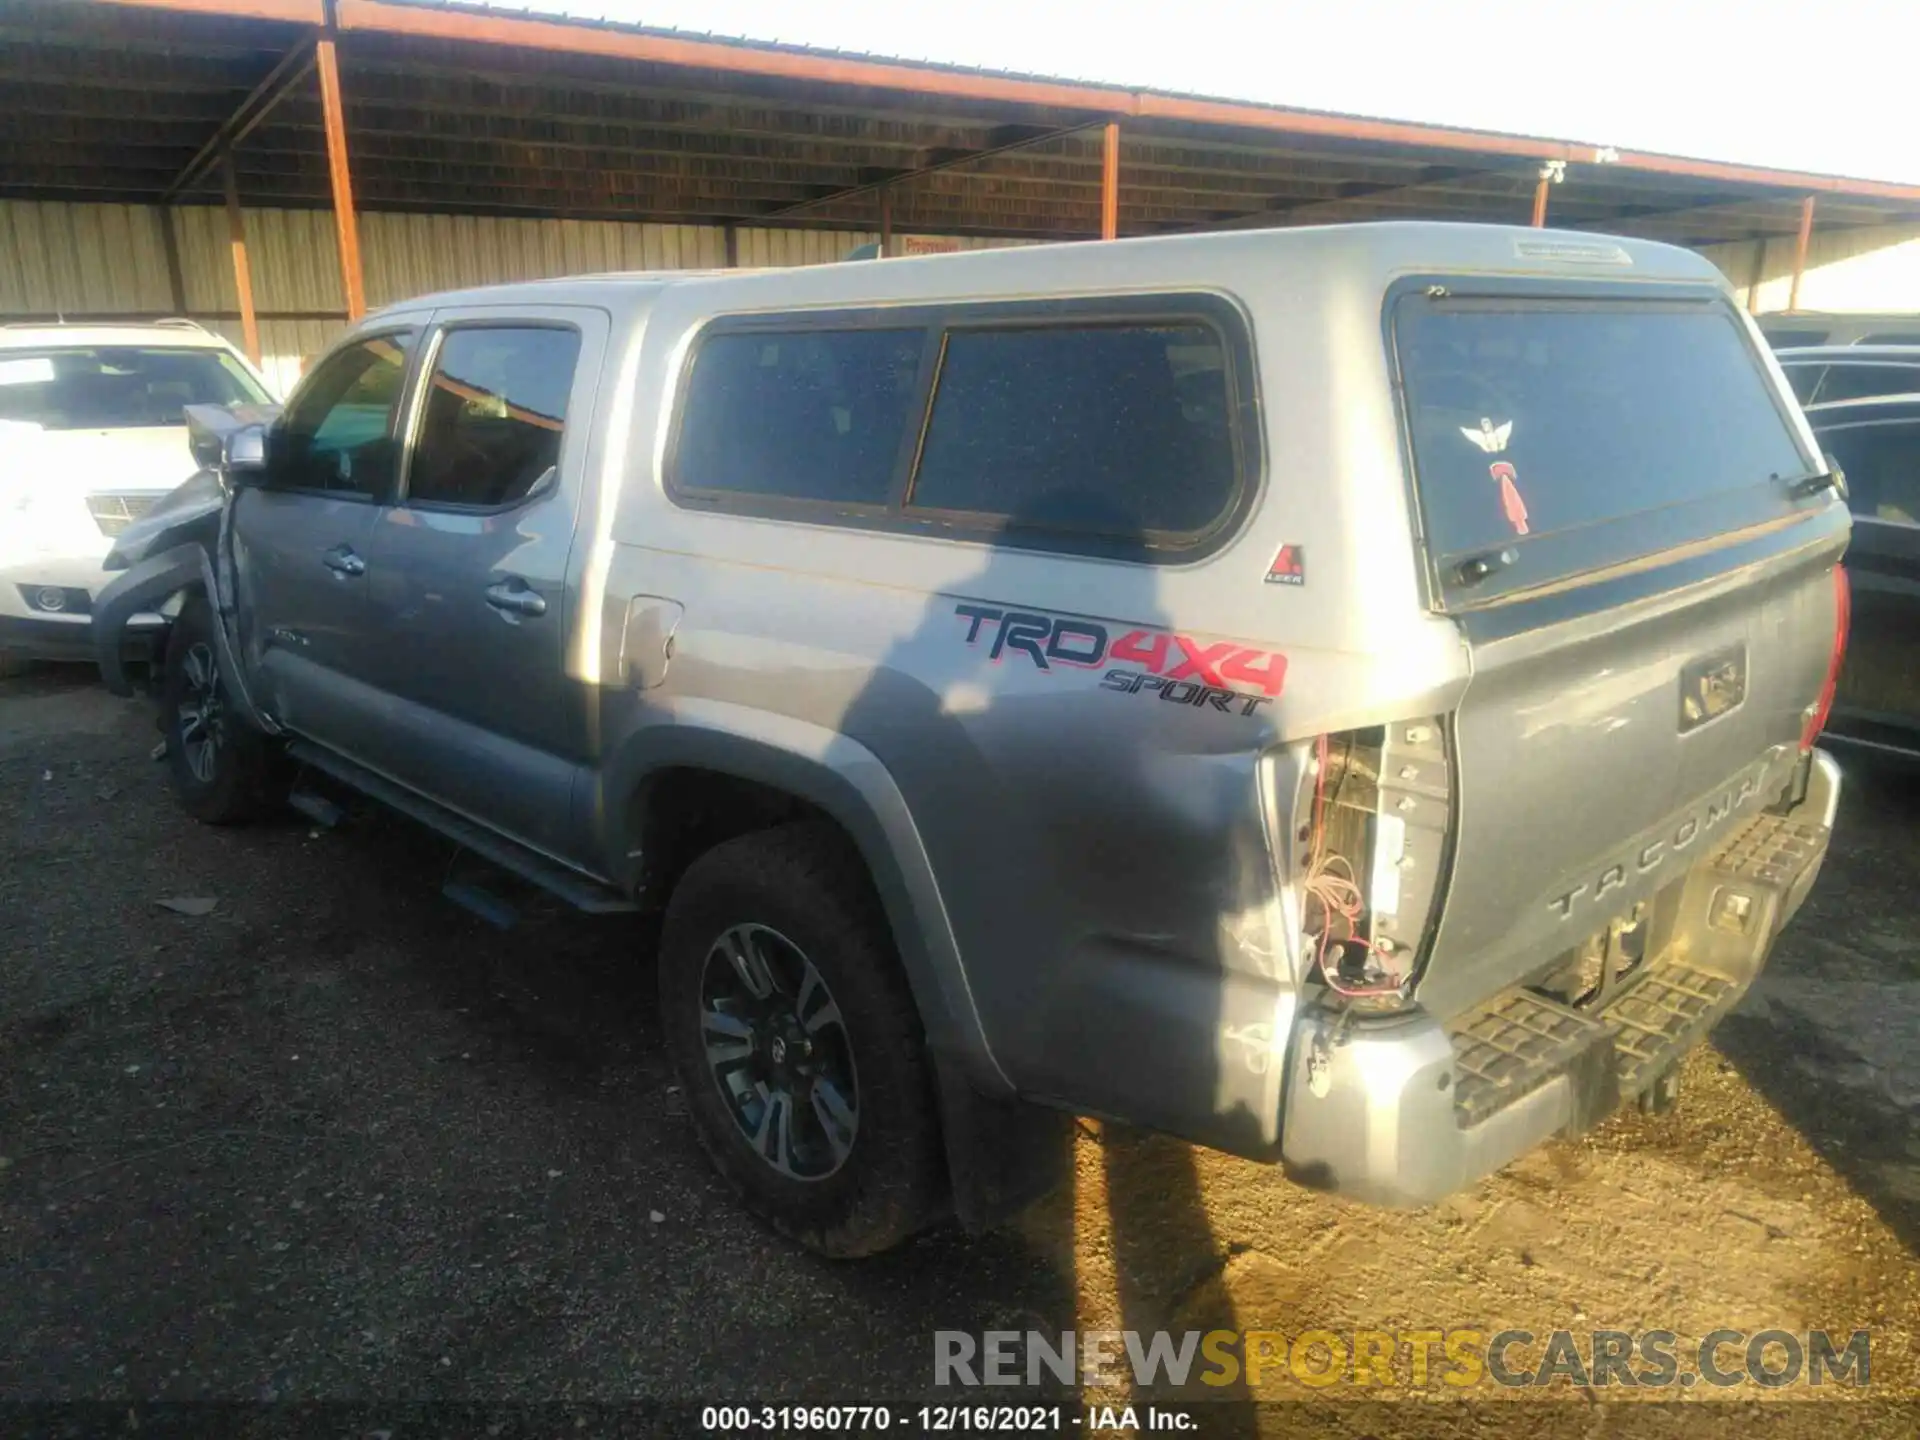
(338, 433)
(495, 411)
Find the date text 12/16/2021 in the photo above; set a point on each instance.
(946, 1419)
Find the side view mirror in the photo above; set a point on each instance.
(243, 455)
(231, 439)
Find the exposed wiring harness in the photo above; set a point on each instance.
(1332, 885)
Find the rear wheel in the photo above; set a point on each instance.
(797, 1043)
(222, 770)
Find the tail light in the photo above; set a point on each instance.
(1842, 620)
(1373, 832)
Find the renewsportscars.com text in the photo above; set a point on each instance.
(1404, 1359)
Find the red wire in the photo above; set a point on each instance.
(1352, 917)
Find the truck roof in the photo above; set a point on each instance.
(1376, 253)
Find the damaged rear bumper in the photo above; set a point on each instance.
(1406, 1110)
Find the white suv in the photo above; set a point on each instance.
(91, 435)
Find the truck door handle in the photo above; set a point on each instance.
(514, 598)
(342, 561)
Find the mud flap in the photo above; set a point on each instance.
(1002, 1155)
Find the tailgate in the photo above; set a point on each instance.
(1622, 513)
(1591, 773)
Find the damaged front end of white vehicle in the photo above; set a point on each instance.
(182, 545)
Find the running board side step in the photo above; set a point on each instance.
(576, 889)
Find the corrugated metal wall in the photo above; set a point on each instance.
(81, 257)
(1874, 268)
(111, 260)
(101, 261)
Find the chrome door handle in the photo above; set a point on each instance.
(516, 598)
(342, 561)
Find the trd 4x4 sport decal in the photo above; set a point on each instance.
(1178, 668)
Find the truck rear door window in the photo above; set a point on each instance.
(495, 411)
(1548, 426)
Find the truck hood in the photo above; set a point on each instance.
(146, 458)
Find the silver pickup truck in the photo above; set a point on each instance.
(1345, 696)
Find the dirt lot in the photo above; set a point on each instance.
(337, 1140)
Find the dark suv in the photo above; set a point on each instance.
(1876, 442)
(1789, 329)
(1823, 374)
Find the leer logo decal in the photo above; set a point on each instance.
(1289, 566)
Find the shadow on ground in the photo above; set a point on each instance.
(1830, 1035)
(339, 1138)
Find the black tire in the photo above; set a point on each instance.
(222, 770)
(803, 887)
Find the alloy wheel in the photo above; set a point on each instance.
(778, 1049)
(202, 721)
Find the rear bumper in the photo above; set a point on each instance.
(1406, 1110)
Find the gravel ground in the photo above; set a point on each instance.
(337, 1140)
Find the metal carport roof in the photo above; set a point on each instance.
(458, 108)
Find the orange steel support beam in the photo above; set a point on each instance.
(1800, 252)
(1540, 202)
(242, 271)
(295, 12)
(1110, 182)
(345, 224)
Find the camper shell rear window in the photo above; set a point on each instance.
(1554, 435)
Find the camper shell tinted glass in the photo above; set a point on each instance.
(1122, 427)
(1117, 429)
(1555, 435)
(801, 414)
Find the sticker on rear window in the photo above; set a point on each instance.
(1511, 504)
(1489, 437)
(1492, 439)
